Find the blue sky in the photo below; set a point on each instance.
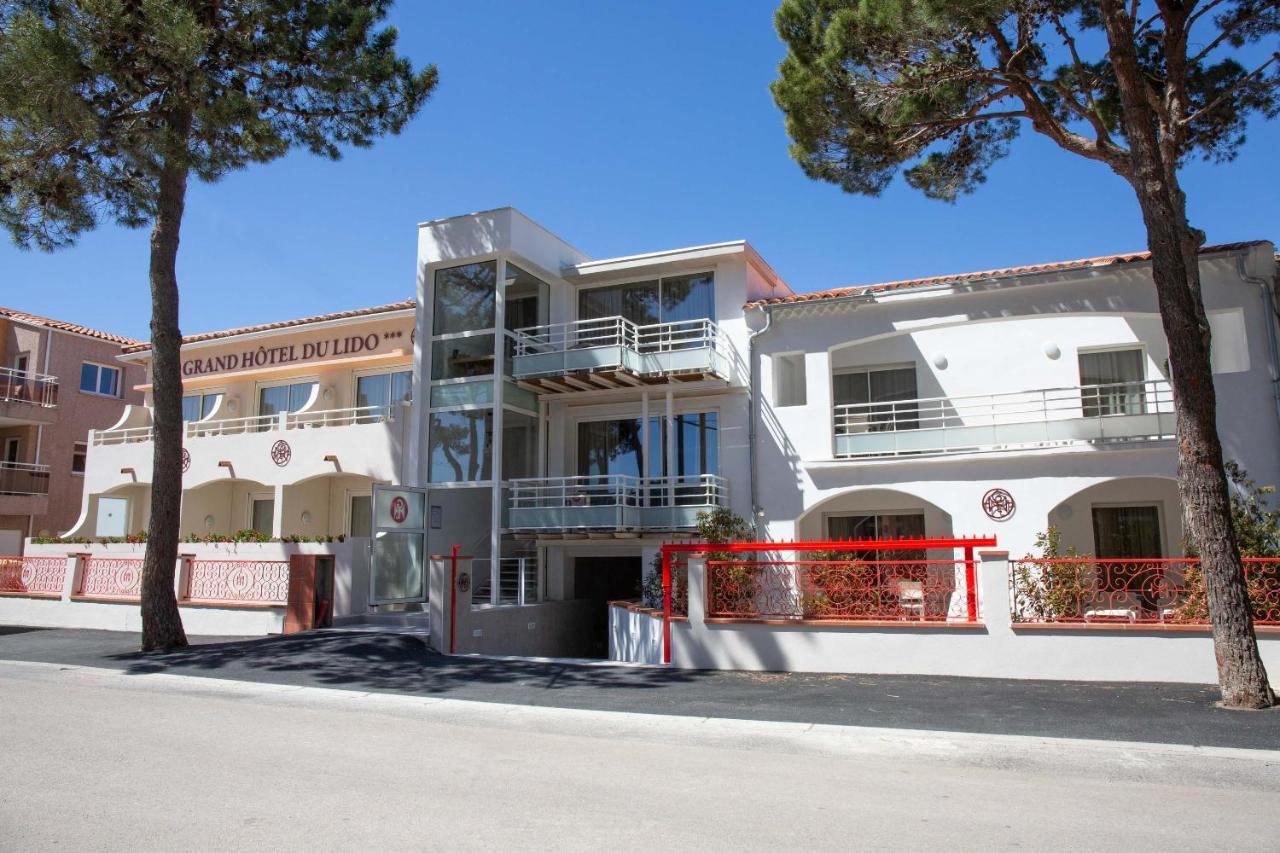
(624, 127)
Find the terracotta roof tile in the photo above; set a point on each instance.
(286, 324)
(988, 275)
(63, 326)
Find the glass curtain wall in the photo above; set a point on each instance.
(616, 447)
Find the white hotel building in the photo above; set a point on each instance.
(558, 418)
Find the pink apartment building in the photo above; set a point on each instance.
(58, 380)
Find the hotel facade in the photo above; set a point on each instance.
(505, 454)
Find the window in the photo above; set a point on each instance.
(360, 518)
(789, 380)
(464, 298)
(100, 379)
(457, 358)
(460, 444)
(282, 398)
(79, 456)
(1131, 532)
(519, 445)
(879, 526)
(873, 396)
(667, 300)
(383, 392)
(1112, 382)
(13, 450)
(262, 516)
(21, 362)
(197, 407)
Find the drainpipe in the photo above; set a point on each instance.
(1269, 309)
(753, 400)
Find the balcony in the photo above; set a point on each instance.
(613, 503)
(1053, 417)
(281, 448)
(24, 489)
(613, 352)
(27, 397)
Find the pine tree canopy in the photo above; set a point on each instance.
(942, 87)
(96, 94)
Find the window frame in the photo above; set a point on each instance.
(254, 499)
(99, 367)
(352, 494)
(203, 393)
(79, 449)
(258, 388)
(1144, 361)
(641, 279)
(774, 361)
(1157, 505)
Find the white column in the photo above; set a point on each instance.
(495, 445)
(277, 513)
(645, 449)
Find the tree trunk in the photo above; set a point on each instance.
(1202, 481)
(161, 621)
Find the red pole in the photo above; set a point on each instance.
(453, 599)
(971, 583)
(666, 606)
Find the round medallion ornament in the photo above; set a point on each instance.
(281, 453)
(399, 510)
(127, 576)
(999, 505)
(186, 460)
(464, 582)
(240, 580)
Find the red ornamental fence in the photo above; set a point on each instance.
(33, 576)
(238, 581)
(111, 577)
(855, 590)
(1089, 590)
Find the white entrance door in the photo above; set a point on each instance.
(398, 566)
(113, 517)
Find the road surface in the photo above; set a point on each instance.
(99, 759)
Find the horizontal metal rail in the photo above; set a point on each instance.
(1122, 410)
(618, 490)
(21, 478)
(620, 332)
(313, 418)
(25, 386)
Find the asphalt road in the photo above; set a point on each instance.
(101, 760)
(400, 663)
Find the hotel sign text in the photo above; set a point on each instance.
(264, 356)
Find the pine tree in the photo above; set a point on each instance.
(109, 107)
(943, 87)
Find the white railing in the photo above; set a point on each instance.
(258, 423)
(22, 478)
(618, 490)
(517, 582)
(25, 386)
(619, 332)
(1117, 411)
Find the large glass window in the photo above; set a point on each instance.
(262, 516)
(611, 447)
(100, 379)
(381, 392)
(519, 445)
(874, 393)
(879, 526)
(197, 407)
(282, 398)
(460, 443)
(464, 298)
(527, 298)
(457, 358)
(1112, 382)
(1131, 532)
(668, 300)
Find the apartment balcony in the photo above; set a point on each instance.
(613, 503)
(1052, 417)
(613, 352)
(27, 398)
(279, 448)
(24, 488)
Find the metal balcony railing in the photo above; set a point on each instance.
(21, 478)
(517, 581)
(613, 502)
(617, 344)
(259, 423)
(24, 386)
(1122, 411)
